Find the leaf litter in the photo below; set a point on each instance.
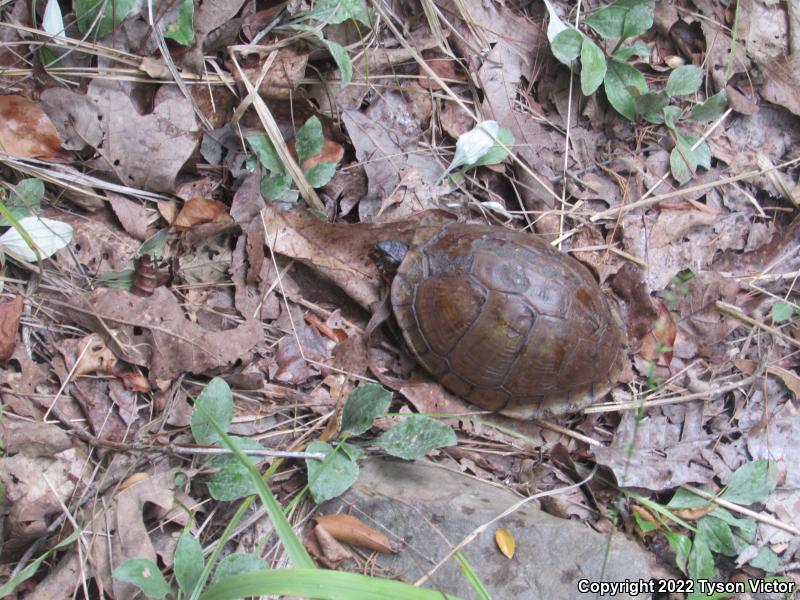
(277, 299)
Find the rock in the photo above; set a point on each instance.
(428, 510)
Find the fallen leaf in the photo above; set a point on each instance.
(132, 216)
(168, 209)
(331, 549)
(445, 68)
(10, 314)
(505, 542)
(26, 131)
(200, 210)
(48, 237)
(134, 381)
(332, 152)
(657, 345)
(91, 353)
(790, 379)
(350, 530)
(33, 439)
(282, 78)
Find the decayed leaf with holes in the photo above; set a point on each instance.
(92, 355)
(505, 542)
(154, 332)
(350, 530)
(26, 131)
(10, 314)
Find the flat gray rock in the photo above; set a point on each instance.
(428, 510)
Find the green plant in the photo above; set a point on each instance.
(782, 311)
(309, 143)
(625, 87)
(718, 531)
(240, 575)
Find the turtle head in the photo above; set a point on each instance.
(387, 255)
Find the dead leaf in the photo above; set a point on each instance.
(92, 355)
(26, 131)
(10, 314)
(200, 210)
(282, 78)
(332, 550)
(168, 209)
(455, 120)
(134, 381)
(132, 216)
(332, 152)
(778, 442)
(445, 68)
(505, 542)
(154, 332)
(657, 345)
(33, 439)
(350, 530)
(790, 379)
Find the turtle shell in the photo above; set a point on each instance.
(507, 322)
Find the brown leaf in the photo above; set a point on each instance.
(132, 215)
(505, 542)
(93, 357)
(26, 131)
(657, 345)
(10, 314)
(455, 120)
(445, 68)
(331, 549)
(350, 530)
(282, 78)
(168, 209)
(200, 210)
(332, 152)
(134, 381)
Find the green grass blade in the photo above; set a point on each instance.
(29, 571)
(472, 577)
(294, 547)
(317, 583)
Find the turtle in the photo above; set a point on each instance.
(502, 319)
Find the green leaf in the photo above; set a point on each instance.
(710, 109)
(593, 67)
(232, 480)
(114, 12)
(566, 46)
(366, 403)
(638, 48)
(746, 527)
(145, 575)
(265, 151)
(181, 30)
(309, 140)
(650, 105)
(686, 499)
(414, 436)
(781, 311)
(155, 244)
(615, 21)
(717, 535)
(234, 564)
(766, 560)
(619, 77)
(276, 187)
(684, 80)
(497, 153)
(701, 562)
(334, 12)
(671, 116)
(332, 476)
(45, 235)
(644, 525)
(216, 400)
(322, 584)
(342, 60)
(24, 200)
(189, 562)
(122, 280)
(320, 174)
(752, 482)
(681, 545)
(638, 20)
(684, 161)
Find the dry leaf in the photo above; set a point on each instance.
(200, 210)
(790, 380)
(132, 215)
(350, 530)
(445, 68)
(332, 152)
(134, 381)
(283, 76)
(10, 314)
(505, 542)
(333, 551)
(26, 131)
(657, 345)
(95, 356)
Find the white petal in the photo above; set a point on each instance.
(52, 20)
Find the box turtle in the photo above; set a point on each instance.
(504, 320)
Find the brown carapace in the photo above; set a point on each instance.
(505, 321)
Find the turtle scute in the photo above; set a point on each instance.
(506, 321)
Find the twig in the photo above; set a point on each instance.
(742, 510)
(733, 311)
